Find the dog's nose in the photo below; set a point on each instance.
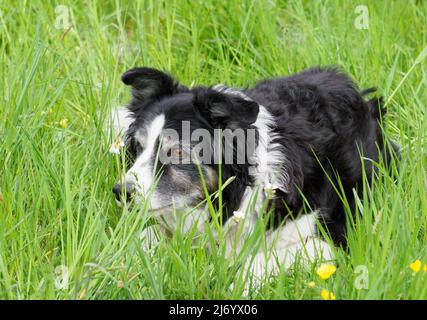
(123, 194)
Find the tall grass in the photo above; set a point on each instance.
(61, 234)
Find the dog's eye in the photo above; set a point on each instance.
(180, 153)
(177, 152)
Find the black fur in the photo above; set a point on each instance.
(324, 123)
(325, 127)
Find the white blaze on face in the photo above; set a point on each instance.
(141, 174)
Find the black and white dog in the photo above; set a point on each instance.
(313, 134)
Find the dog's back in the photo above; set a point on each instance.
(325, 127)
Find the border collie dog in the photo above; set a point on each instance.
(309, 140)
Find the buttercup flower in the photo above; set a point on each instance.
(327, 295)
(311, 284)
(64, 123)
(425, 268)
(325, 271)
(415, 266)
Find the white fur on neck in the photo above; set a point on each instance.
(271, 161)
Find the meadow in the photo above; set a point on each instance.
(62, 236)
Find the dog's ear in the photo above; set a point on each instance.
(225, 110)
(150, 84)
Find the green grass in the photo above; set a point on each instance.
(57, 207)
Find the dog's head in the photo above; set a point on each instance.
(172, 140)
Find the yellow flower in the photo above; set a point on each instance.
(327, 295)
(311, 284)
(425, 268)
(415, 266)
(325, 271)
(64, 123)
